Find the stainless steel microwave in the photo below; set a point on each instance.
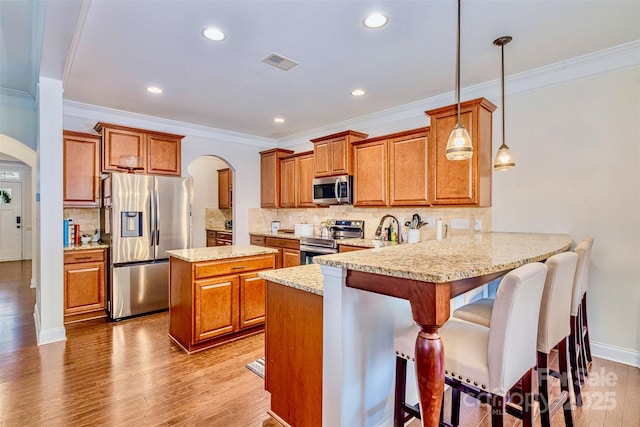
(333, 190)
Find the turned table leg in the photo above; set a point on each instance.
(430, 374)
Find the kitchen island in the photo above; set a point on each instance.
(404, 283)
(215, 294)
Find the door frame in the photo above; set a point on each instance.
(7, 165)
(26, 155)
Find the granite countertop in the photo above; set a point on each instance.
(280, 235)
(220, 252)
(90, 245)
(455, 258)
(366, 243)
(306, 278)
(219, 229)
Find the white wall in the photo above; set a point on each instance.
(204, 172)
(578, 163)
(18, 118)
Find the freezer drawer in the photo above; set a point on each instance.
(138, 289)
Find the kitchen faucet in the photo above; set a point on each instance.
(379, 229)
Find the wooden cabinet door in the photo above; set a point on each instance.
(305, 181)
(462, 182)
(118, 142)
(224, 186)
(290, 257)
(370, 178)
(215, 307)
(84, 287)
(211, 238)
(163, 154)
(252, 300)
(270, 177)
(81, 182)
(408, 174)
(321, 157)
(340, 156)
(288, 183)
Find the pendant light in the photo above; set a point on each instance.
(504, 159)
(459, 146)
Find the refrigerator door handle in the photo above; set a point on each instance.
(157, 209)
(152, 219)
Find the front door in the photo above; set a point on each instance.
(10, 220)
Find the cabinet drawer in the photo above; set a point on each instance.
(276, 242)
(211, 234)
(257, 240)
(215, 268)
(72, 257)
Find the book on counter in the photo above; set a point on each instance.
(71, 233)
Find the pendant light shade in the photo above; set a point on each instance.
(504, 159)
(459, 146)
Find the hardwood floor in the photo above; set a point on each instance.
(130, 374)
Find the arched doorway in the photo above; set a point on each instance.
(26, 155)
(205, 211)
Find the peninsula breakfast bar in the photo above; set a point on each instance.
(428, 275)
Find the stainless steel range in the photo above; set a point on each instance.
(337, 229)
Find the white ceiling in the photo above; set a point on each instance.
(112, 50)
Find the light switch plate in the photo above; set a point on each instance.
(460, 223)
(477, 225)
(431, 222)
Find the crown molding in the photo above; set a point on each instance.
(617, 58)
(17, 98)
(126, 118)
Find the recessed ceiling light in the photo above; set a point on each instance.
(214, 34)
(358, 92)
(278, 120)
(154, 89)
(375, 20)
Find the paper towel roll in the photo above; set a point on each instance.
(439, 229)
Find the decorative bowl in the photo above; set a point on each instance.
(85, 239)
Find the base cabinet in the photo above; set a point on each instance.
(84, 285)
(212, 302)
(293, 355)
(288, 249)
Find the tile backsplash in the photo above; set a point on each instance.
(215, 218)
(260, 219)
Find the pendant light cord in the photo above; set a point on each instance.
(502, 52)
(458, 63)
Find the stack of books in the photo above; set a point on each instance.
(71, 232)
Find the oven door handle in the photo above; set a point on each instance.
(318, 250)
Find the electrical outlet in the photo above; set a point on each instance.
(431, 222)
(477, 225)
(460, 223)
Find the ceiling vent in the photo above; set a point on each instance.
(279, 61)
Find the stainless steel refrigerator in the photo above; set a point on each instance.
(143, 217)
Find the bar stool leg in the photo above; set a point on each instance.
(543, 389)
(400, 393)
(587, 345)
(564, 382)
(573, 359)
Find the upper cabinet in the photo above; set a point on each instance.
(270, 177)
(296, 180)
(333, 154)
(392, 170)
(159, 153)
(224, 188)
(462, 182)
(81, 183)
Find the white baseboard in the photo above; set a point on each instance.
(50, 335)
(615, 354)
